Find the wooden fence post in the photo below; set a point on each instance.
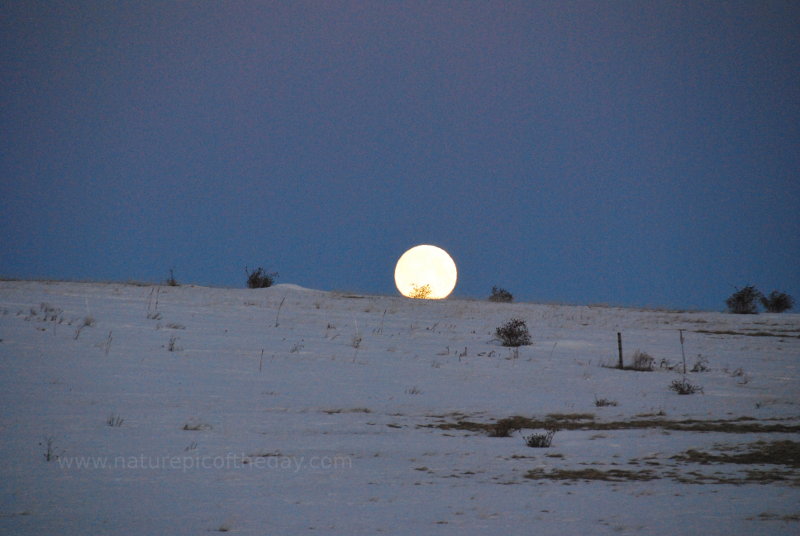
(619, 347)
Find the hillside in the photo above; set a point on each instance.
(131, 409)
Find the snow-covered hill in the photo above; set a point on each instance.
(130, 409)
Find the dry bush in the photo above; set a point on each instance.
(744, 301)
(604, 402)
(777, 302)
(685, 387)
(171, 281)
(642, 361)
(501, 295)
(420, 293)
(259, 278)
(541, 440)
(514, 333)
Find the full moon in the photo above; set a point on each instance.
(425, 272)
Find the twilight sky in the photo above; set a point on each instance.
(622, 152)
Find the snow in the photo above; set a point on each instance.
(289, 410)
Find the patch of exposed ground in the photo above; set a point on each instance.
(765, 463)
(586, 421)
(587, 474)
(761, 452)
(779, 457)
(760, 462)
(769, 516)
(790, 333)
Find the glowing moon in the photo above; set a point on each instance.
(425, 272)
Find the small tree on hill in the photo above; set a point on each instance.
(171, 281)
(500, 295)
(514, 333)
(777, 302)
(744, 301)
(420, 293)
(258, 278)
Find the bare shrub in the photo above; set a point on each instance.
(259, 278)
(541, 440)
(685, 387)
(514, 333)
(50, 453)
(171, 281)
(114, 421)
(501, 295)
(777, 302)
(604, 402)
(642, 361)
(420, 293)
(744, 301)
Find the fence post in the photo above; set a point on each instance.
(619, 347)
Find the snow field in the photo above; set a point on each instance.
(288, 410)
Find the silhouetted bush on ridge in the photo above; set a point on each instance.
(259, 278)
(501, 295)
(777, 302)
(744, 301)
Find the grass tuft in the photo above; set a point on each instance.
(604, 402)
(685, 387)
(115, 421)
(541, 439)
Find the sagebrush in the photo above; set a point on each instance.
(501, 295)
(259, 278)
(420, 293)
(744, 301)
(541, 440)
(777, 302)
(642, 361)
(514, 333)
(685, 387)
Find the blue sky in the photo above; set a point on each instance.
(630, 153)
